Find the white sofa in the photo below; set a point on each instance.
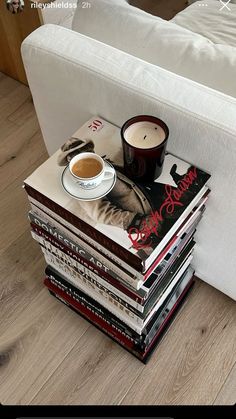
(198, 43)
(73, 77)
(59, 12)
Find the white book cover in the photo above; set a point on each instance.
(160, 207)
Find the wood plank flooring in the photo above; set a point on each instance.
(48, 354)
(227, 394)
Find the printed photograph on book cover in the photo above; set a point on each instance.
(136, 216)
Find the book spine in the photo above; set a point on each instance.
(167, 287)
(83, 283)
(178, 290)
(179, 245)
(169, 261)
(165, 282)
(195, 215)
(107, 246)
(45, 215)
(142, 353)
(90, 282)
(176, 256)
(90, 315)
(148, 334)
(168, 319)
(52, 230)
(51, 245)
(92, 306)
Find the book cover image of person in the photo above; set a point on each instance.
(129, 204)
(15, 6)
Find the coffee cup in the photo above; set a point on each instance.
(89, 170)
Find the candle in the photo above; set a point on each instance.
(144, 139)
(144, 134)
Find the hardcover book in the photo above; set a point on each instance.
(104, 288)
(141, 340)
(44, 232)
(90, 287)
(133, 221)
(139, 345)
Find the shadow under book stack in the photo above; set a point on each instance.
(122, 261)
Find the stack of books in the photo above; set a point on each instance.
(121, 257)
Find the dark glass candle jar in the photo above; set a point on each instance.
(144, 140)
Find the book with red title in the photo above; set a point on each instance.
(68, 233)
(110, 223)
(140, 346)
(72, 266)
(83, 281)
(136, 298)
(148, 332)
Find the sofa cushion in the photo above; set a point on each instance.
(215, 22)
(59, 12)
(160, 42)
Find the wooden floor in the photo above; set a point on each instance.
(48, 354)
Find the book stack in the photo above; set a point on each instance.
(121, 258)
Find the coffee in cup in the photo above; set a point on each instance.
(89, 170)
(86, 168)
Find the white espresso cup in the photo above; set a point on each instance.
(89, 170)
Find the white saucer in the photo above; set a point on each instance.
(71, 187)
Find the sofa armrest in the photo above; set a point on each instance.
(167, 44)
(73, 77)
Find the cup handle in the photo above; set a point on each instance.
(109, 173)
